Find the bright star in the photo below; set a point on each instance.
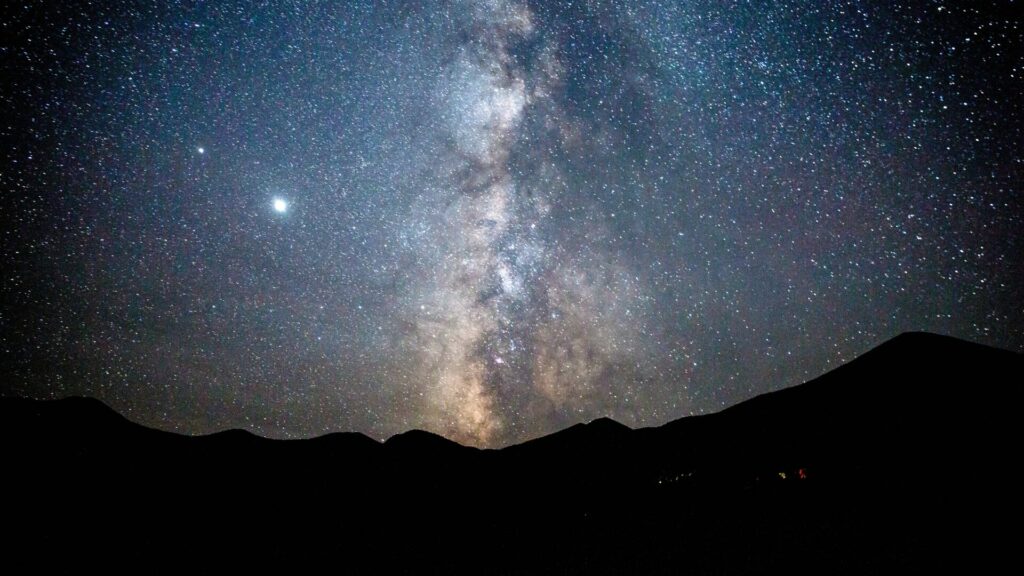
(201, 150)
(280, 205)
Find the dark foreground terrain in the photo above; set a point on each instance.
(901, 461)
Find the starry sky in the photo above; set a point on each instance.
(493, 219)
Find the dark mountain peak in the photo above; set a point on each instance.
(75, 404)
(234, 435)
(921, 336)
(421, 440)
(914, 372)
(933, 348)
(78, 413)
(583, 436)
(344, 438)
(928, 343)
(605, 423)
(84, 403)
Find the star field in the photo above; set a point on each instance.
(493, 219)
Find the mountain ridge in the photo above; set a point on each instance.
(912, 342)
(877, 463)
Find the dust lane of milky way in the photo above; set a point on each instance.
(492, 219)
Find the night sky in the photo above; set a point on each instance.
(493, 219)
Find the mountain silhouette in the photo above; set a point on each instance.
(415, 441)
(895, 461)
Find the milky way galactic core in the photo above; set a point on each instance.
(493, 219)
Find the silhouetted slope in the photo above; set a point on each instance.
(418, 441)
(917, 398)
(891, 462)
(578, 436)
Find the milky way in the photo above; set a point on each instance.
(493, 219)
(513, 322)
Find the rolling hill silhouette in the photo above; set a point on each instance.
(900, 460)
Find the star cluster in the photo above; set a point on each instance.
(495, 218)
